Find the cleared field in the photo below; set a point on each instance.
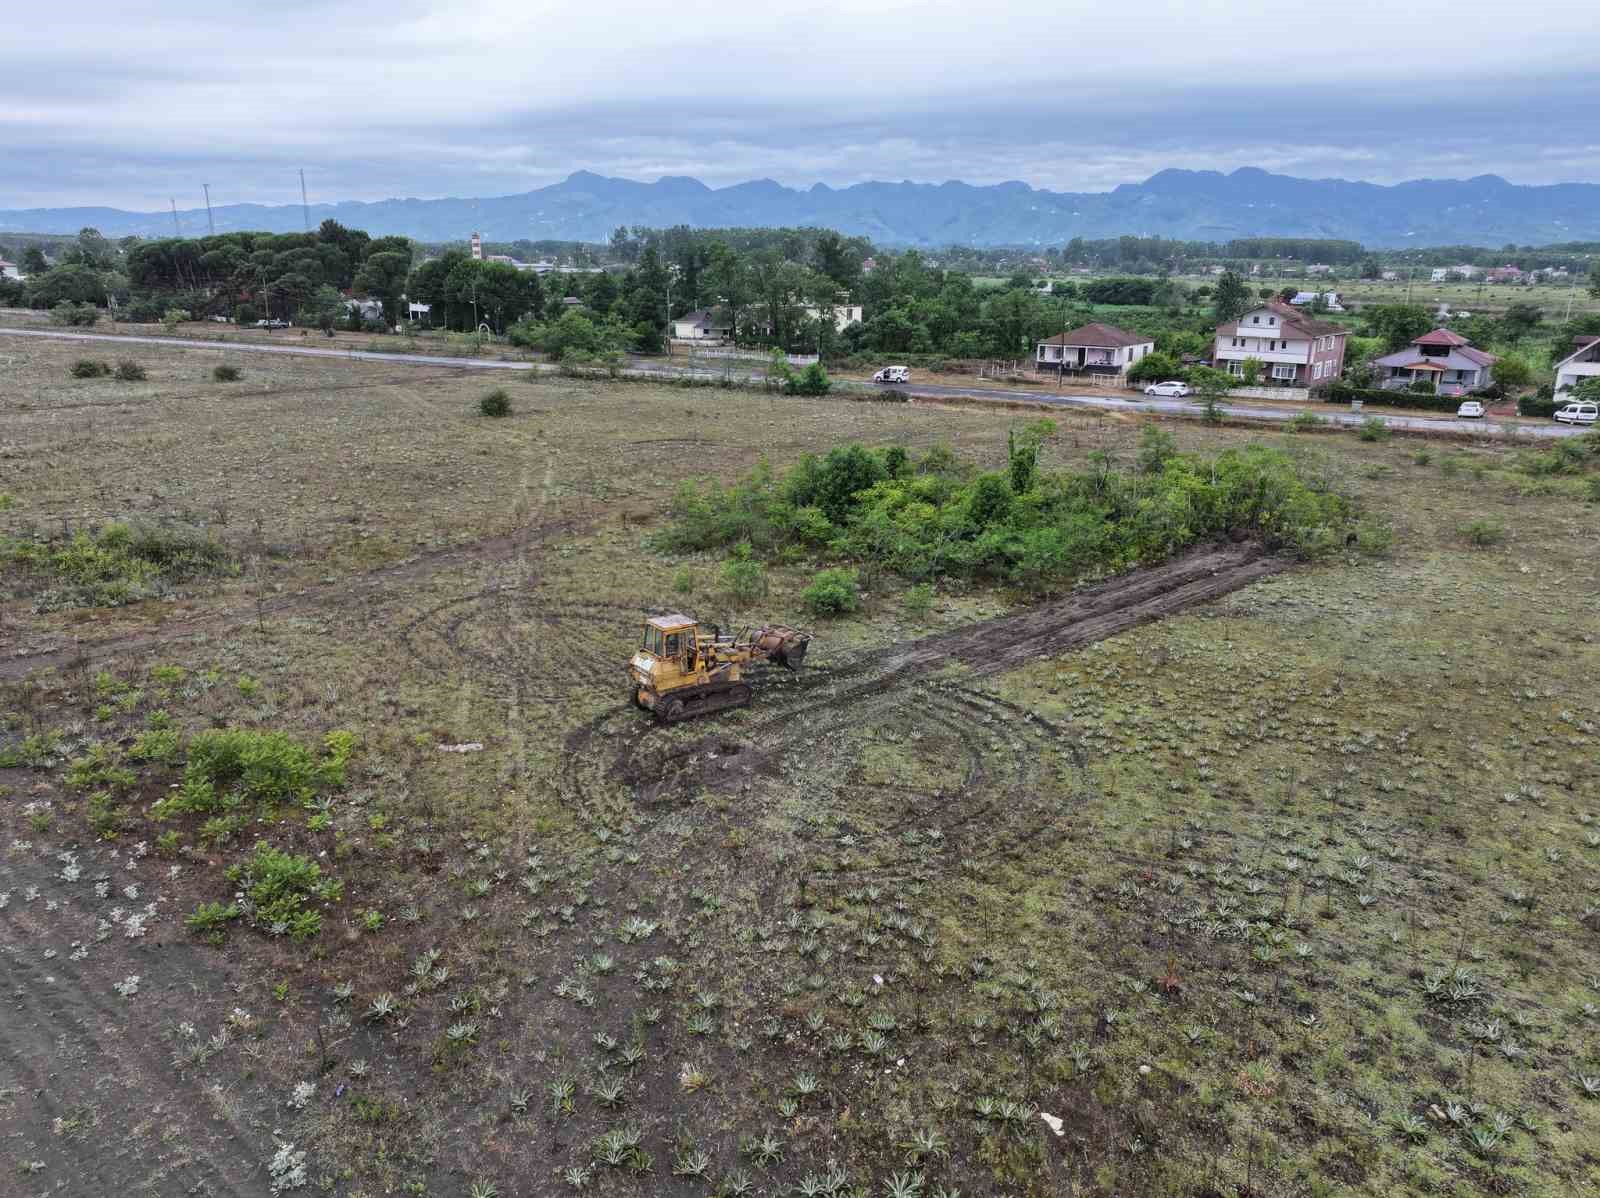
(1290, 891)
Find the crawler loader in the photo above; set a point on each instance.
(680, 671)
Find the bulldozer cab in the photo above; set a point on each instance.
(671, 638)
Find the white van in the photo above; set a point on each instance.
(1578, 413)
(892, 374)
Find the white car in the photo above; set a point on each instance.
(892, 374)
(1172, 387)
(1470, 408)
(1579, 413)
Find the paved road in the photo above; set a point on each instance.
(647, 368)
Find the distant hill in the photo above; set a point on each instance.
(1200, 205)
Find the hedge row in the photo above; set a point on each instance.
(1343, 393)
(1538, 405)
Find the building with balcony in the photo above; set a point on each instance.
(1447, 360)
(1294, 349)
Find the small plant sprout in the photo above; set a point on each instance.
(691, 1162)
(382, 1007)
(483, 1189)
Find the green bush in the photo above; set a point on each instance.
(1157, 447)
(88, 368)
(1305, 422)
(74, 315)
(813, 380)
(1375, 428)
(744, 579)
(160, 745)
(264, 766)
(934, 519)
(1410, 400)
(497, 403)
(210, 918)
(121, 563)
(225, 374)
(1538, 405)
(1483, 533)
(918, 600)
(130, 372)
(173, 317)
(833, 592)
(279, 886)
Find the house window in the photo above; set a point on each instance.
(1255, 320)
(1236, 368)
(1283, 371)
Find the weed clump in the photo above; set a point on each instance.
(1484, 533)
(121, 563)
(833, 592)
(279, 886)
(1375, 428)
(88, 368)
(130, 372)
(497, 403)
(225, 374)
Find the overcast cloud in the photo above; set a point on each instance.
(106, 102)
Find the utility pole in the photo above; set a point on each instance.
(1572, 291)
(305, 208)
(175, 228)
(211, 225)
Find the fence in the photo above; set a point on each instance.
(744, 355)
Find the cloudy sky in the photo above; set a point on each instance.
(127, 102)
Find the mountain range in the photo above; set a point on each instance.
(1199, 205)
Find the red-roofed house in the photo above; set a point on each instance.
(1295, 349)
(1092, 348)
(1447, 360)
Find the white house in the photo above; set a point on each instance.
(844, 315)
(1094, 348)
(702, 325)
(1292, 347)
(9, 270)
(1330, 300)
(1582, 363)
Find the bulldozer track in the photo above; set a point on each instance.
(990, 756)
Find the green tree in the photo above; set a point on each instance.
(323, 309)
(71, 282)
(33, 262)
(1231, 299)
(1512, 371)
(1594, 278)
(1155, 368)
(383, 277)
(1396, 325)
(1210, 386)
(1251, 368)
(1521, 319)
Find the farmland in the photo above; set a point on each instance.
(1288, 891)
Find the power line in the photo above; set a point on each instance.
(305, 208)
(211, 225)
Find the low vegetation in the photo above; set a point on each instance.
(121, 562)
(932, 516)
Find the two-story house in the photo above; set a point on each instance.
(1582, 363)
(1447, 360)
(1293, 348)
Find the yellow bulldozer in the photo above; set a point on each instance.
(679, 671)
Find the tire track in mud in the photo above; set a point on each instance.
(821, 729)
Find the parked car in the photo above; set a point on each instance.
(1579, 413)
(1171, 387)
(892, 374)
(274, 323)
(1471, 408)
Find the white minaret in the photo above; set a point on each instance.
(477, 247)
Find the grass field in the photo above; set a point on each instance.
(1290, 892)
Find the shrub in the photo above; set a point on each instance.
(918, 600)
(1422, 387)
(209, 918)
(813, 380)
(1374, 537)
(225, 374)
(1305, 422)
(744, 579)
(279, 885)
(173, 317)
(833, 592)
(497, 403)
(1483, 533)
(69, 313)
(1341, 392)
(267, 766)
(1157, 447)
(121, 563)
(88, 368)
(1375, 428)
(130, 372)
(1538, 405)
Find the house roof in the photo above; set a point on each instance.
(1440, 337)
(1460, 357)
(1098, 336)
(1580, 346)
(1290, 320)
(701, 318)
